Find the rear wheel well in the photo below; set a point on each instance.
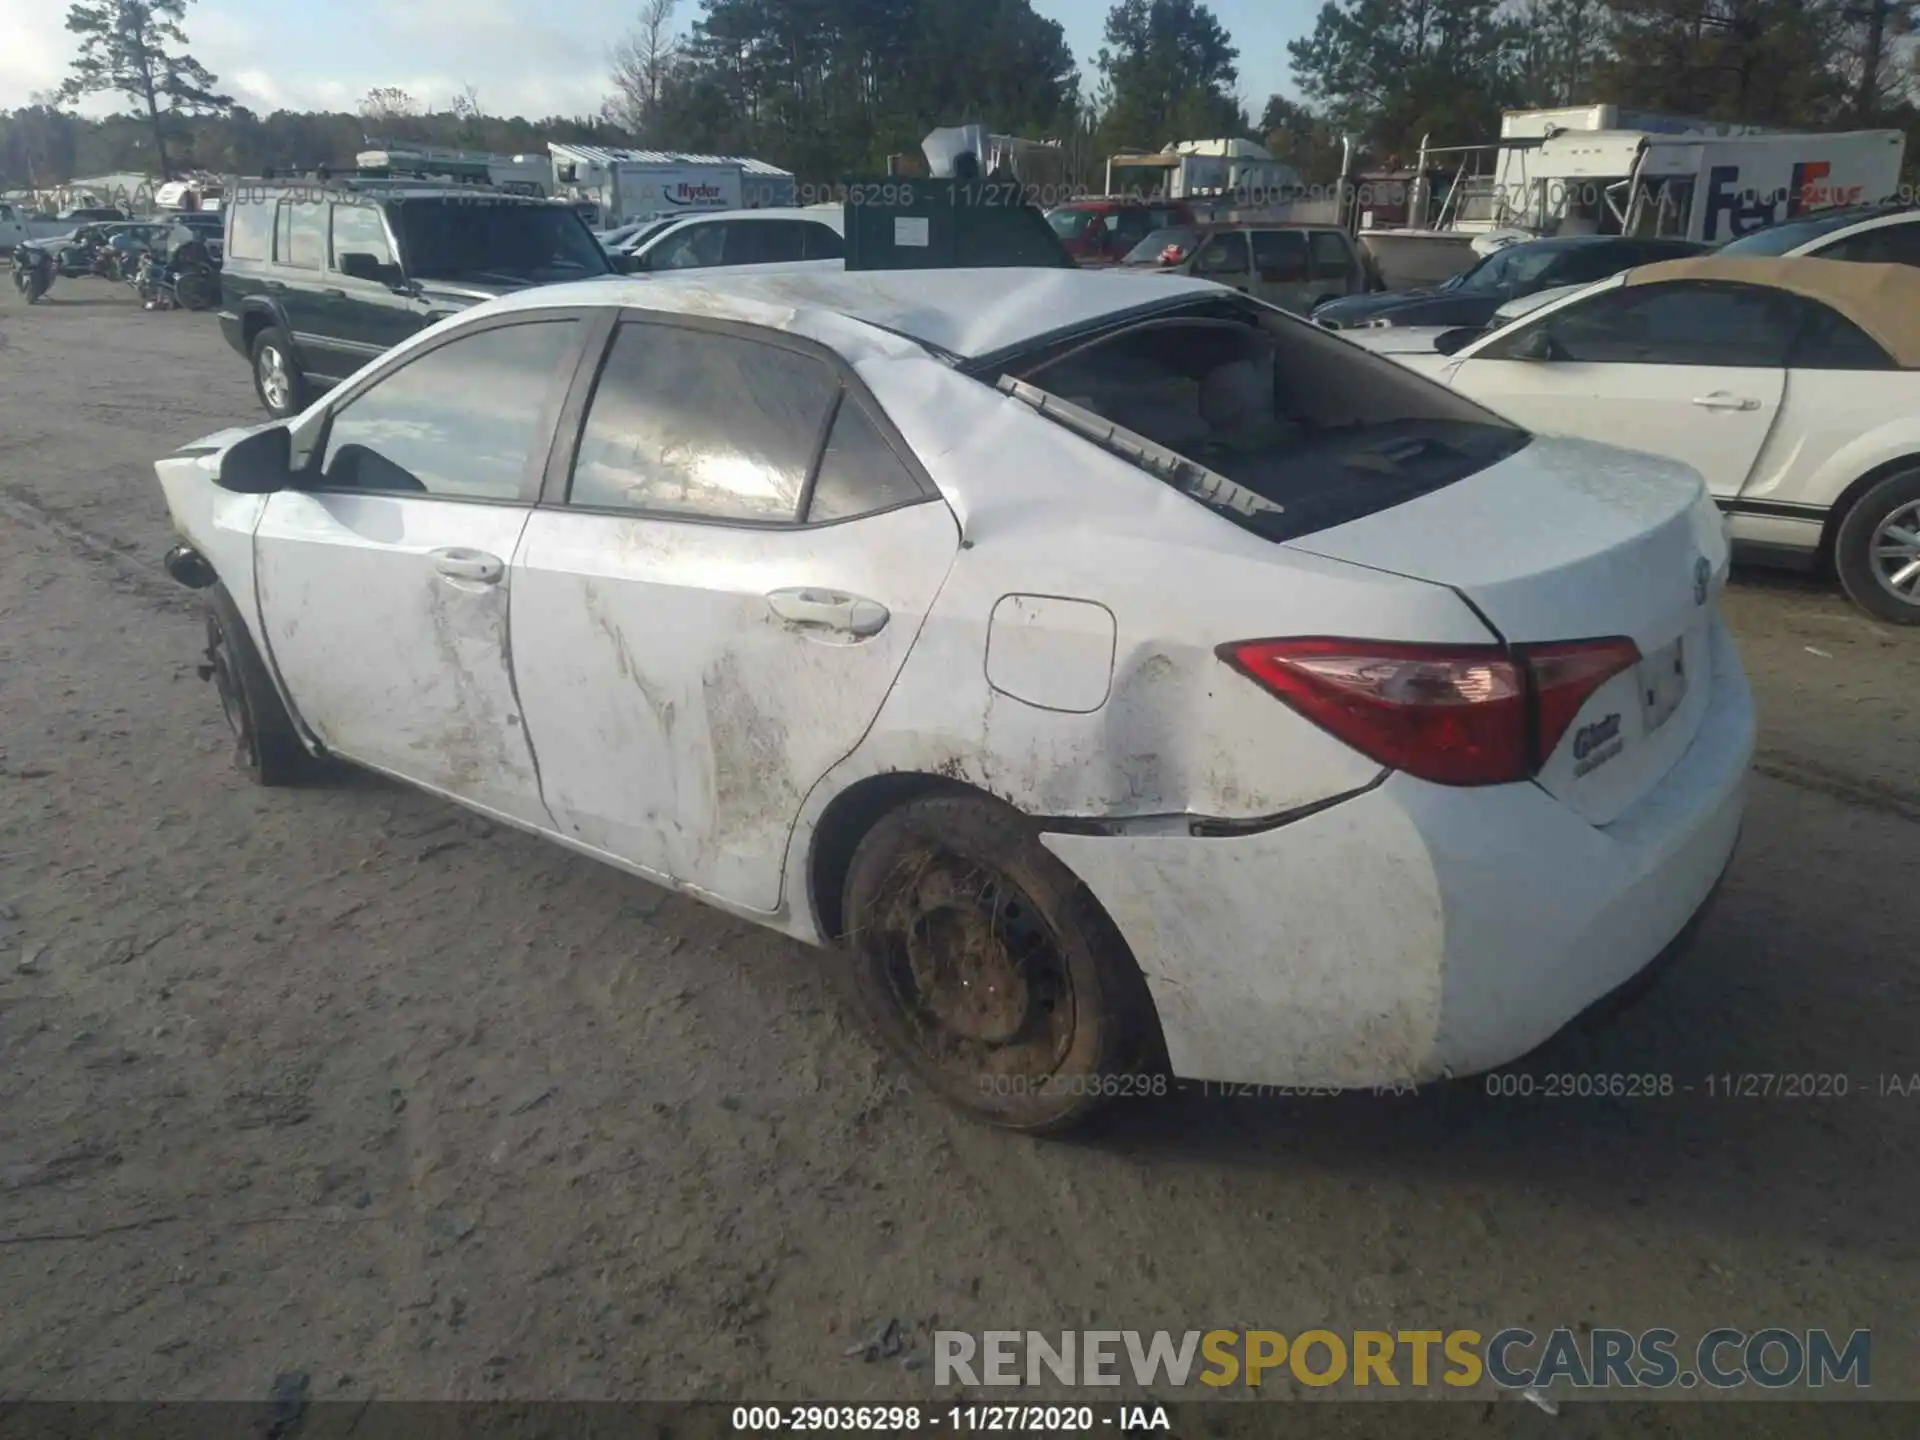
(1837, 512)
(848, 818)
(254, 322)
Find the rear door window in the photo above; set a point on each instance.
(764, 242)
(1280, 256)
(824, 242)
(1332, 255)
(300, 235)
(695, 423)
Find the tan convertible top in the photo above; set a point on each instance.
(1883, 300)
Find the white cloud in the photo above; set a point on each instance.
(280, 54)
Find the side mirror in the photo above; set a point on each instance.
(1536, 344)
(260, 464)
(1451, 342)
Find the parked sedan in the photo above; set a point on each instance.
(1119, 678)
(1471, 297)
(1876, 234)
(1790, 385)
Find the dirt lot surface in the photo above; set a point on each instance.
(343, 1081)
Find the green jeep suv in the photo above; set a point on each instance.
(320, 277)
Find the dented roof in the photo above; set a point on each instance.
(965, 313)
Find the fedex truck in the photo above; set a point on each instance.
(1710, 188)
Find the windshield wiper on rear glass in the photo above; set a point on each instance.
(1209, 487)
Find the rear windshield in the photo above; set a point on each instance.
(1164, 247)
(1309, 430)
(490, 243)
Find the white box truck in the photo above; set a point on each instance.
(1709, 188)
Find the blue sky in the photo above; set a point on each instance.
(523, 56)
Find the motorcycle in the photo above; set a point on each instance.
(183, 280)
(32, 272)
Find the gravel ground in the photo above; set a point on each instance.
(345, 1081)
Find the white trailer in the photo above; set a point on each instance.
(625, 186)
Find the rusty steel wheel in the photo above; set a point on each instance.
(991, 970)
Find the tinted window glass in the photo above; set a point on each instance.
(252, 234)
(1128, 228)
(1679, 324)
(1889, 245)
(487, 240)
(1069, 224)
(1789, 235)
(824, 242)
(1332, 259)
(1161, 217)
(1223, 255)
(1280, 255)
(358, 230)
(1830, 341)
(693, 248)
(688, 422)
(763, 242)
(467, 421)
(859, 473)
(1595, 262)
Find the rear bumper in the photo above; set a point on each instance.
(1417, 931)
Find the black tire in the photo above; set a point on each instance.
(1051, 1018)
(1861, 550)
(266, 747)
(272, 341)
(194, 290)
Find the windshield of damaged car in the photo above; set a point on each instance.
(1323, 429)
(1164, 247)
(491, 243)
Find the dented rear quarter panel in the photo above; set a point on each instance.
(1180, 733)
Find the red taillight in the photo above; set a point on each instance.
(1565, 677)
(1453, 714)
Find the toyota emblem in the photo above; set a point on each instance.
(1702, 580)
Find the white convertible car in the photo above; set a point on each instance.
(1790, 384)
(1120, 682)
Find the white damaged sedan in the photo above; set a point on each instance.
(1117, 684)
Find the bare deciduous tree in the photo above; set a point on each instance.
(388, 102)
(642, 65)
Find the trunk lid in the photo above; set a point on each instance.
(1571, 540)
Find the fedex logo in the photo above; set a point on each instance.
(1744, 210)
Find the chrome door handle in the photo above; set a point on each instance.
(459, 563)
(1721, 400)
(829, 610)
